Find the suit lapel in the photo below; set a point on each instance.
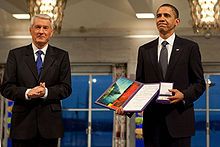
(48, 61)
(29, 60)
(175, 54)
(154, 59)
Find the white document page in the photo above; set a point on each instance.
(142, 97)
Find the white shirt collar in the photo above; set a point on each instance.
(44, 49)
(170, 40)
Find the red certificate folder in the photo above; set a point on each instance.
(131, 95)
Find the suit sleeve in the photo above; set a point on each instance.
(197, 82)
(139, 68)
(62, 89)
(9, 88)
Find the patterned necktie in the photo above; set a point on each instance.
(163, 60)
(39, 61)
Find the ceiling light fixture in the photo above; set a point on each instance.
(54, 8)
(144, 15)
(21, 16)
(205, 15)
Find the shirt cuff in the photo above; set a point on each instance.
(26, 96)
(46, 94)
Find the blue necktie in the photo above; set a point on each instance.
(163, 60)
(39, 61)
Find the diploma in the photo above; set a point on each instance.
(142, 98)
(130, 95)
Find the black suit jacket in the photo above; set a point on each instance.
(185, 71)
(30, 117)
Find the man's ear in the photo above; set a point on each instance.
(52, 33)
(177, 21)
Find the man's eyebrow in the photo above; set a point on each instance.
(163, 13)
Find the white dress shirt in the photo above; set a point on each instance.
(44, 50)
(169, 46)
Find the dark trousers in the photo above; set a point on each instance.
(159, 137)
(35, 142)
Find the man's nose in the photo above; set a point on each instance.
(41, 30)
(162, 17)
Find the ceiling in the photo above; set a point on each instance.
(97, 17)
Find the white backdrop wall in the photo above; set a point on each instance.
(109, 49)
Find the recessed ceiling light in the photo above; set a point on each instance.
(141, 36)
(144, 15)
(21, 16)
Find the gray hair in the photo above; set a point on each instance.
(43, 16)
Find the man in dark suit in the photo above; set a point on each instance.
(170, 125)
(37, 89)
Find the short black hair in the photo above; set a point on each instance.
(172, 7)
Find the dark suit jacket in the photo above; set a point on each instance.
(43, 116)
(185, 71)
